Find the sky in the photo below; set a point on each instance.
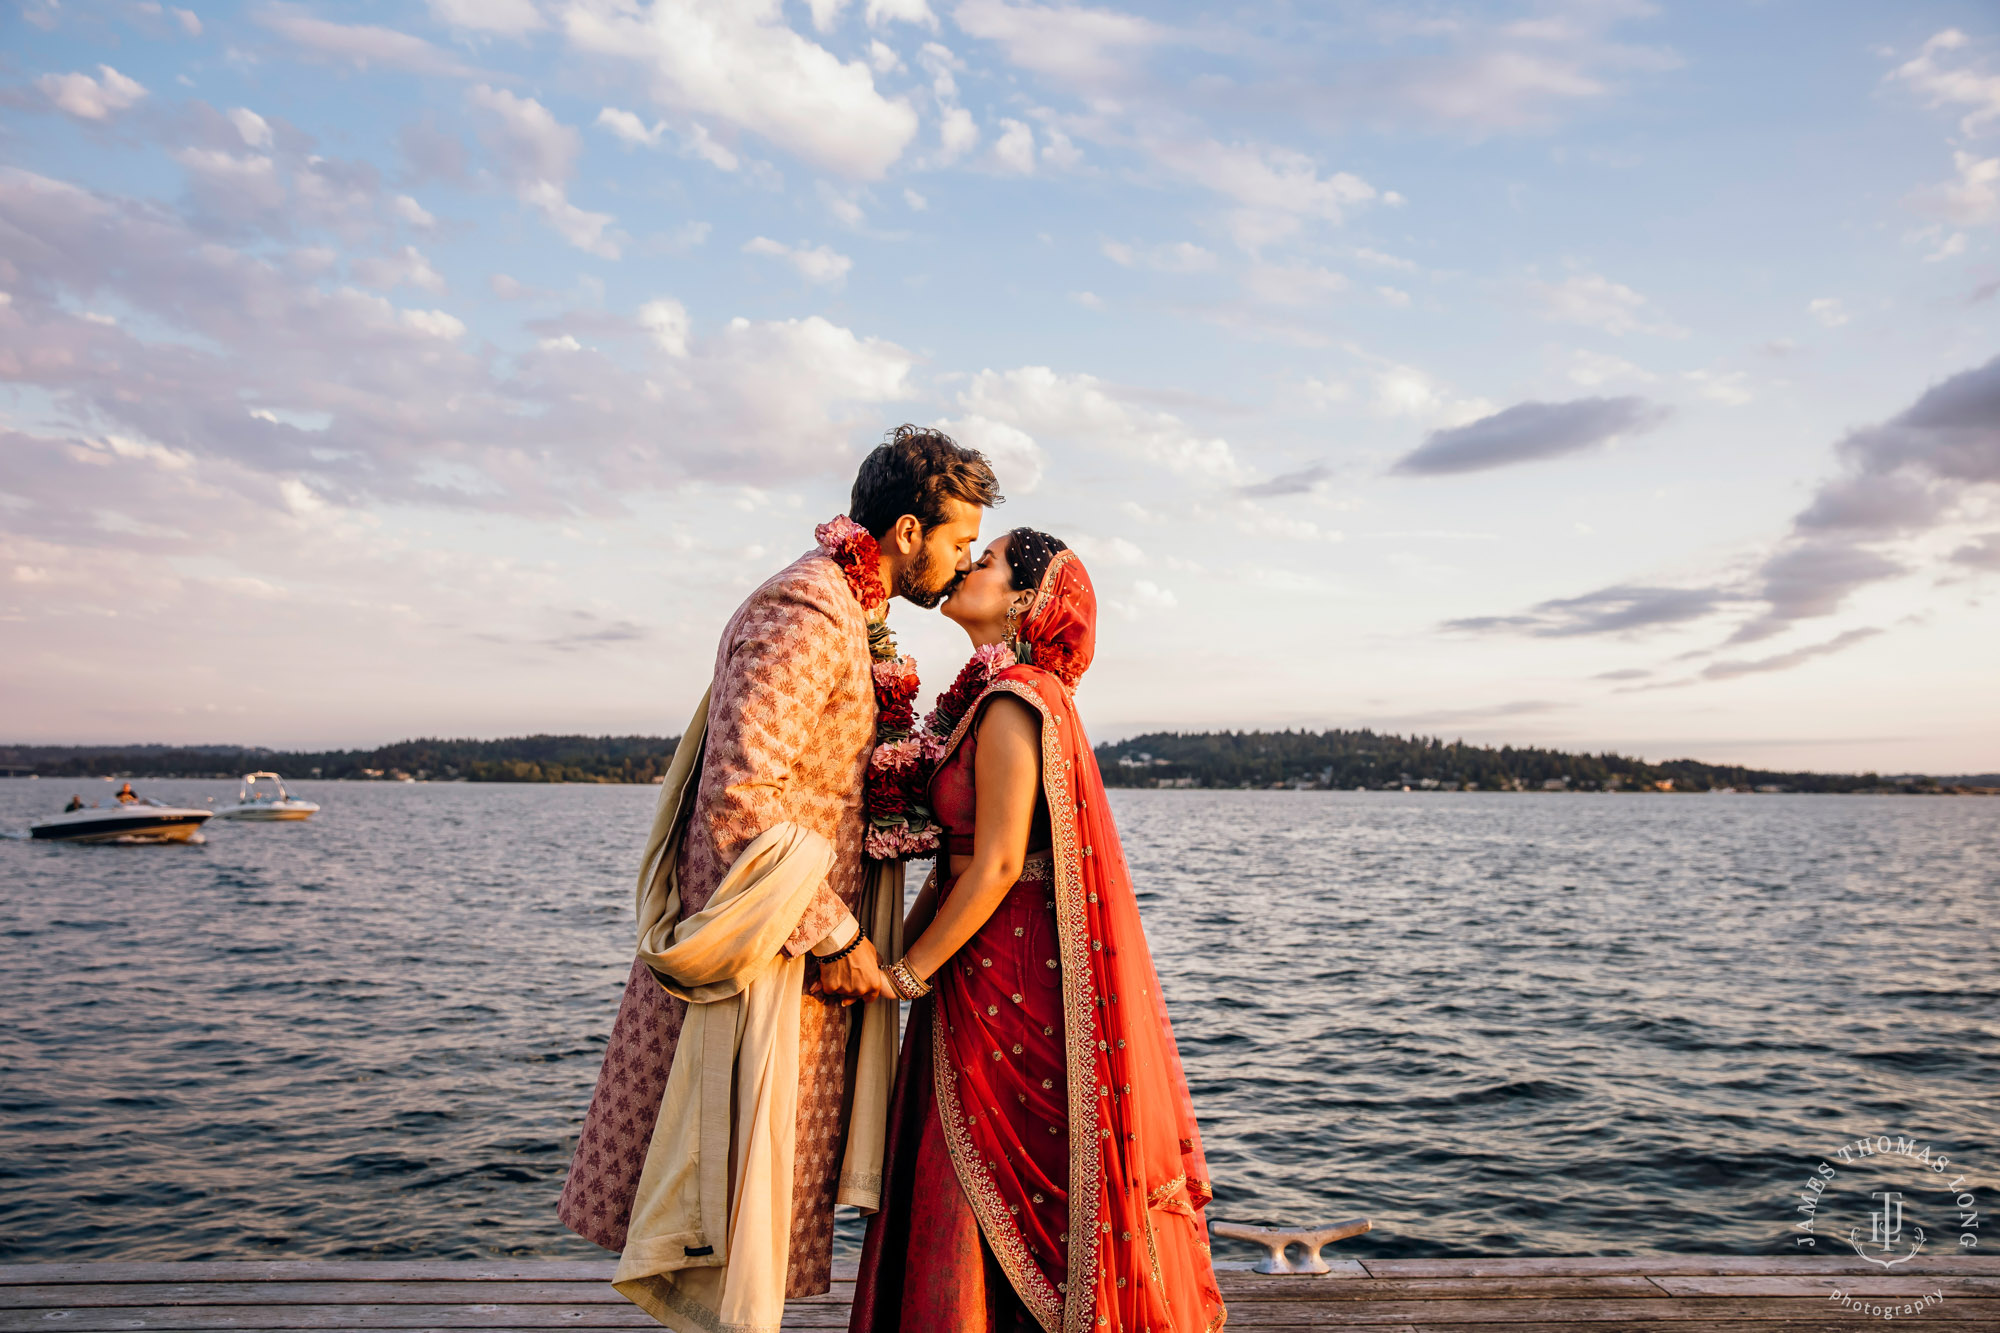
(1588, 373)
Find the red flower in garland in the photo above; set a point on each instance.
(859, 558)
(898, 779)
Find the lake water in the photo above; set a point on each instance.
(1492, 1023)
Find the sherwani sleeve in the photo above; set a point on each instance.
(770, 697)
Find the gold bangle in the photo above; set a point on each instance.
(907, 983)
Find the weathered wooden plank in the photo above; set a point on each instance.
(317, 1270)
(1335, 1268)
(334, 1293)
(1691, 1265)
(480, 1316)
(1823, 1325)
(1672, 1312)
(1873, 1284)
(507, 1292)
(1322, 1292)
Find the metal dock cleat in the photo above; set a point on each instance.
(1277, 1240)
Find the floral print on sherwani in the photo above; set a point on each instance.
(791, 723)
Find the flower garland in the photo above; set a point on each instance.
(895, 802)
(973, 678)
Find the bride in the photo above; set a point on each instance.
(1044, 1167)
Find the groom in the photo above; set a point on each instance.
(790, 725)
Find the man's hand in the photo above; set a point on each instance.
(859, 976)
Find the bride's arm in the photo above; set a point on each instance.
(1006, 771)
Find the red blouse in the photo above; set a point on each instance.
(954, 799)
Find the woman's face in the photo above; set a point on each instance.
(980, 603)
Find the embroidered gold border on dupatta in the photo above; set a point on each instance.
(1072, 1310)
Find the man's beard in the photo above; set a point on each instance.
(914, 582)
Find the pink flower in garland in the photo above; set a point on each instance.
(859, 557)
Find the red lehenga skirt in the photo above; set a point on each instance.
(925, 1267)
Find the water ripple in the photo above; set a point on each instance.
(1495, 1024)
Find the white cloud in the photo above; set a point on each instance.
(1081, 409)
(1016, 458)
(251, 127)
(1731, 387)
(1596, 302)
(630, 128)
(409, 412)
(1950, 247)
(1293, 284)
(1944, 73)
(667, 321)
(916, 201)
(412, 212)
(1972, 198)
(1591, 369)
(1828, 311)
(844, 207)
(86, 98)
(1014, 150)
(1070, 42)
(530, 143)
(882, 12)
(435, 324)
(1088, 300)
(536, 153)
(1174, 257)
(957, 133)
(511, 18)
(587, 231)
(190, 22)
(407, 267)
(361, 45)
(1405, 391)
(883, 57)
(826, 13)
(1276, 189)
(818, 264)
(736, 60)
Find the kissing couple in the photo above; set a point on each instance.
(1030, 1159)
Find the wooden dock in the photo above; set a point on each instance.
(1659, 1294)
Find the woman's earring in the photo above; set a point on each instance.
(1013, 622)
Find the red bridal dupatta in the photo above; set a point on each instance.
(1122, 1248)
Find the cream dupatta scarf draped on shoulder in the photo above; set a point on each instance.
(711, 1222)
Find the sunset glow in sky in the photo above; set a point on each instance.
(1588, 373)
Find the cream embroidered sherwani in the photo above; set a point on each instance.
(791, 724)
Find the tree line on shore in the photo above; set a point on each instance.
(510, 759)
(1342, 760)
(1339, 760)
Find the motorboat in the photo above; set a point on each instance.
(263, 796)
(141, 819)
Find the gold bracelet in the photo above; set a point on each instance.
(907, 983)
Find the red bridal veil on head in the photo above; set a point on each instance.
(1126, 1244)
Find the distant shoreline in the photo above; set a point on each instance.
(1334, 760)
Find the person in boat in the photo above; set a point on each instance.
(1044, 1167)
(75, 804)
(126, 796)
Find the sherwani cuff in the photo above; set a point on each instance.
(822, 914)
(842, 934)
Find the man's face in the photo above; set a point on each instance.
(943, 558)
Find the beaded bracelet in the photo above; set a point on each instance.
(907, 983)
(844, 949)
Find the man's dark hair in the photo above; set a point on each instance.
(913, 472)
